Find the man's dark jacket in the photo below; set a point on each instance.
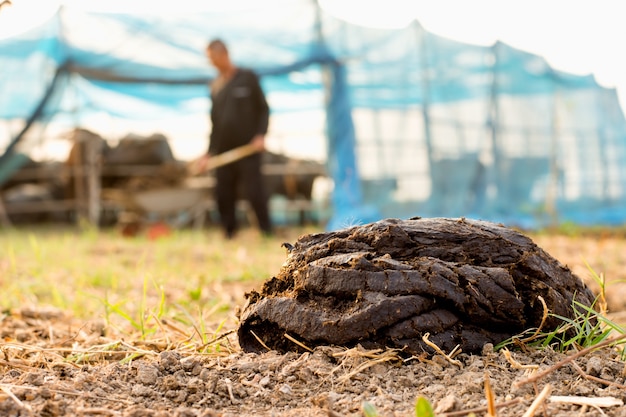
(239, 112)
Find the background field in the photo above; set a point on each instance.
(191, 277)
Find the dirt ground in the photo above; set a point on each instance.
(53, 365)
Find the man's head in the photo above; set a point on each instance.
(217, 52)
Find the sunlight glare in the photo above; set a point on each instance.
(388, 14)
(23, 15)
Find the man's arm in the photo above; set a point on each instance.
(212, 136)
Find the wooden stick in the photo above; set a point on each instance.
(596, 379)
(538, 401)
(538, 375)
(297, 342)
(491, 398)
(515, 364)
(8, 392)
(365, 365)
(592, 401)
(438, 350)
(222, 159)
(464, 413)
(98, 410)
(546, 312)
(5, 387)
(258, 339)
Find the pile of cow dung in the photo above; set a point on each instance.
(389, 283)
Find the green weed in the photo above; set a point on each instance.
(139, 320)
(35, 247)
(91, 272)
(588, 327)
(423, 408)
(369, 410)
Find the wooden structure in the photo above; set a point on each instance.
(86, 198)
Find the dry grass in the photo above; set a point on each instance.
(190, 278)
(188, 283)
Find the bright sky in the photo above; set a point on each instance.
(577, 36)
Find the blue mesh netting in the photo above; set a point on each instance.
(416, 124)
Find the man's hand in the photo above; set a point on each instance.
(199, 165)
(258, 142)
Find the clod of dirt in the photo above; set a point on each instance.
(388, 283)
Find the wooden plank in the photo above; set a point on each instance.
(40, 206)
(25, 174)
(215, 161)
(130, 170)
(148, 170)
(4, 219)
(292, 169)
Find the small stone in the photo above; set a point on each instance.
(205, 374)
(447, 403)
(286, 389)
(34, 378)
(487, 349)
(23, 335)
(583, 390)
(594, 366)
(170, 361)
(46, 393)
(264, 381)
(147, 374)
(141, 391)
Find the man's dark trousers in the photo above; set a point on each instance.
(247, 173)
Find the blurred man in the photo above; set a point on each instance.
(239, 116)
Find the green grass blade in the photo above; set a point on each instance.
(161, 311)
(369, 410)
(115, 308)
(423, 408)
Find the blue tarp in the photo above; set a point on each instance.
(417, 124)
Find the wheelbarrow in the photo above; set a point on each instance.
(157, 209)
(175, 206)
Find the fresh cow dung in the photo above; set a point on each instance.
(388, 283)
